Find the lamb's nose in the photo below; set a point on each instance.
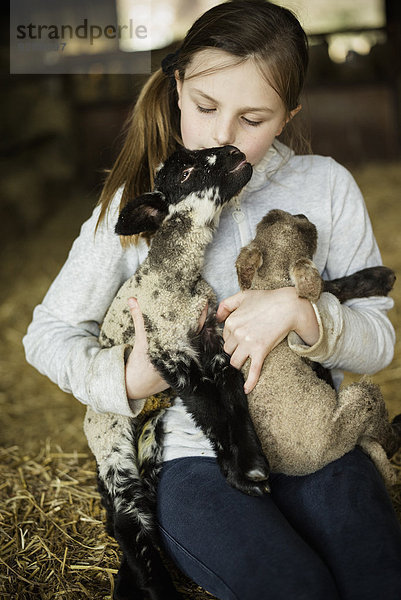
(234, 151)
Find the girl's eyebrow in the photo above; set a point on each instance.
(244, 109)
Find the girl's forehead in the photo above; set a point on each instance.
(211, 59)
(218, 74)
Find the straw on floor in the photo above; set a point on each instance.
(53, 541)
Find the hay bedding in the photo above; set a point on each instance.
(52, 539)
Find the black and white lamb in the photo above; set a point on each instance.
(182, 211)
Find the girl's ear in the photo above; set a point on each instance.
(145, 213)
(292, 115)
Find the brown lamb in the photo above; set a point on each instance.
(302, 422)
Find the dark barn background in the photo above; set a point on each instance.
(59, 134)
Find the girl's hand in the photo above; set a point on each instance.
(141, 378)
(256, 321)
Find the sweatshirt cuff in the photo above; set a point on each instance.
(106, 383)
(331, 321)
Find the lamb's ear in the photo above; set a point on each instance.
(249, 260)
(306, 279)
(144, 213)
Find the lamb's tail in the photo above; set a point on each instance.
(379, 457)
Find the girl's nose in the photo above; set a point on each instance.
(224, 133)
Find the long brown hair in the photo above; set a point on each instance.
(269, 34)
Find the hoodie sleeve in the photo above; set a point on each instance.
(62, 339)
(356, 336)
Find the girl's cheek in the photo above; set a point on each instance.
(255, 149)
(190, 133)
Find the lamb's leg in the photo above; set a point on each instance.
(125, 584)
(131, 520)
(373, 281)
(142, 563)
(246, 456)
(362, 413)
(361, 410)
(394, 443)
(223, 417)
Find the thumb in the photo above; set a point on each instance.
(137, 317)
(228, 305)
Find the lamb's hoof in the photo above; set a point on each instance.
(252, 482)
(257, 475)
(256, 488)
(256, 468)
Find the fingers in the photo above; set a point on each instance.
(227, 306)
(238, 359)
(240, 352)
(253, 375)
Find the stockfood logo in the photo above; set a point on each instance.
(46, 37)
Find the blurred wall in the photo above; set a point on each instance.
(61, 132)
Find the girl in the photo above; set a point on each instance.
(237, 79)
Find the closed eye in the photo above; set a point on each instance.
(252, 123)
(205, 110)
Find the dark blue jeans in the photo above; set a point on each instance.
(326, 536)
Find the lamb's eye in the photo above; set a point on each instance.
(186, 173)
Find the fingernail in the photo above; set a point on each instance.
(131, 302)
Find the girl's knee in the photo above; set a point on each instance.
(304, 580)
(293, 571)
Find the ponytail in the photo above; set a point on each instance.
(151, 135)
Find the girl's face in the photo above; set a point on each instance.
(232, 105)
